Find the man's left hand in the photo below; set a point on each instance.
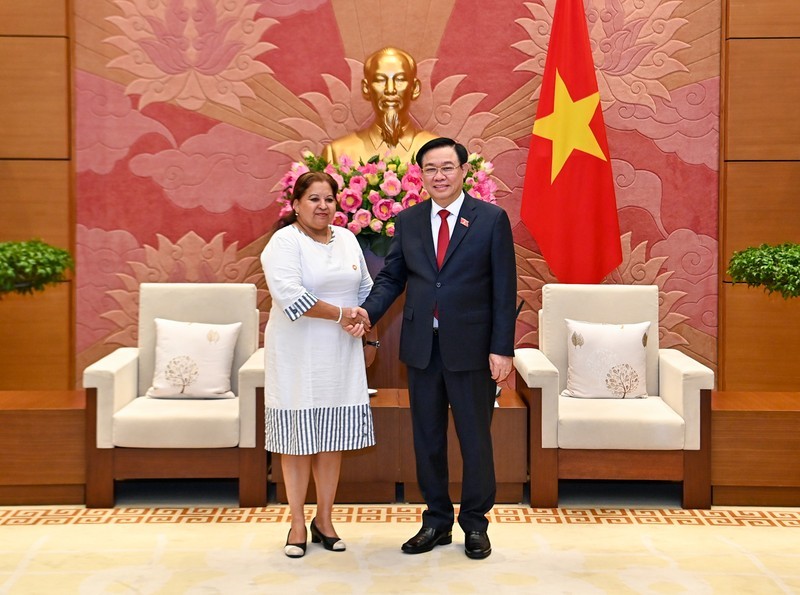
(500, 366)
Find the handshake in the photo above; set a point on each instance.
(355, 321)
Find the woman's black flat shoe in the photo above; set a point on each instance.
(294, 550)
(333, 544)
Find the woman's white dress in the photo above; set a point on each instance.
(316, 386)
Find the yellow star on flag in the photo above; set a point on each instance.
(568, 126)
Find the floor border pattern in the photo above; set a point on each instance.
(20, 516)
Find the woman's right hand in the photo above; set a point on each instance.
(354, 322)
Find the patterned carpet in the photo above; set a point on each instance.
(744, 517)
(232, 551)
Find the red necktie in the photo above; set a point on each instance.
(444, 238)
(441, 246)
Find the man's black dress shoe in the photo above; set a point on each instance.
(476, 545)
(427, 539)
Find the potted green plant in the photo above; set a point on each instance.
(30, 266)
(775, 268)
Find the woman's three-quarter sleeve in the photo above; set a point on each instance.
(282, 263)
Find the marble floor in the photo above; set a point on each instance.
(189, 548)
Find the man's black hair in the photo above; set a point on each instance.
(461, 150)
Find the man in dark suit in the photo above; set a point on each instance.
(454, 255)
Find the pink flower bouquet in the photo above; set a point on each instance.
(371, 194)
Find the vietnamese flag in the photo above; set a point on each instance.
(568, 201)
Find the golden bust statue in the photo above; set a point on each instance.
(390, 83)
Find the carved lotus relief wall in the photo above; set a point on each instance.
(189, 112)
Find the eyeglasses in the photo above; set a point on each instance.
(448, 170)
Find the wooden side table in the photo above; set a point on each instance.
(510, 443)
(367, 475)
(755, 448)
(42, 447)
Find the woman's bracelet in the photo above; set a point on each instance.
(338, 320)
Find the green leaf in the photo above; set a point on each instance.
(30, 266)
(380, 244)
(775, 268)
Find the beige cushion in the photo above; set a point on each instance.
(193, 359)
(177, 423)
(638, 424)
(615, 304)
(606, 360)
(212, 303)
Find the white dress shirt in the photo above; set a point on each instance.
(436, 220)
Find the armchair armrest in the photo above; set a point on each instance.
(680, 380)
(251, 375)
(116, 378)
(539, 372)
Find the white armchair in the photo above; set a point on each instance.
(132, 436)
(663, 437)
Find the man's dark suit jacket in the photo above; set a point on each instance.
(475, 291)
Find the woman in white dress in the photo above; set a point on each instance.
(316, 386)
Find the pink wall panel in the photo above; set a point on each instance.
(184, 132)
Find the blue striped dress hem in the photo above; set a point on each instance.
(321, 429)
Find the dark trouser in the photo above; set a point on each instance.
(471, 397)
